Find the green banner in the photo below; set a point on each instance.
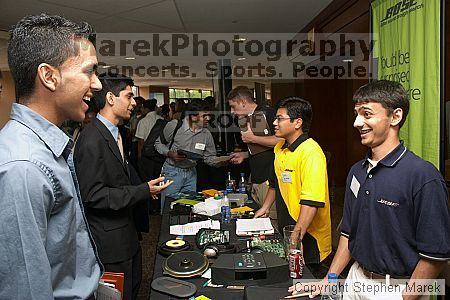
(407, 47)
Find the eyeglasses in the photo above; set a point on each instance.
(278, 118)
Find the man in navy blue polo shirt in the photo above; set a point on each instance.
(396, 221)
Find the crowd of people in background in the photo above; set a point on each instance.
(137, 129)
(145, 109)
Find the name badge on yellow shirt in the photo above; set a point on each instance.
(286, 177)
(199, 146)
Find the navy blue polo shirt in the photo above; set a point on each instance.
(396, 214)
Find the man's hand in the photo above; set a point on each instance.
(313, 288)
(157, 185)
(174, 155)
(248, 136)
(238, 157)
(294, 240)
(262, 213)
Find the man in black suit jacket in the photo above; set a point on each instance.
(106, 189)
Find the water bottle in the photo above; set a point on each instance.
(225, 209)
(243, 184)
(229, 184)
(333, 292)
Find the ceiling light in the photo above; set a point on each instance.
(347, 60)
(130, 58)
(241, 58)
(240, 39)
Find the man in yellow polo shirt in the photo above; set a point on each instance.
(300, 183)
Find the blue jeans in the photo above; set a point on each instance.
(184, 182)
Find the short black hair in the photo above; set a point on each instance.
(111, 82)
(139, 100)
(211, 102)
(298, 108)
(390, 94)
(195, 107)
(150, 104)
(42, 39)
(165, 109)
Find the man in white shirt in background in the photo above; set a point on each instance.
(146, 124)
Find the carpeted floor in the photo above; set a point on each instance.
(148, 244)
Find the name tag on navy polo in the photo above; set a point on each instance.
(354, 186)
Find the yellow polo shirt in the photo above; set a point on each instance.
(301, 172)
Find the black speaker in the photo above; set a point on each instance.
(249, 269)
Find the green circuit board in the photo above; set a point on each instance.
(269, 245)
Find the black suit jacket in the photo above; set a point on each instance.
(107, 193)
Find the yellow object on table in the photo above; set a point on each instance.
(210, 192)
(184, 201)
(241, 209)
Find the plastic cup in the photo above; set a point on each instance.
(290, 244)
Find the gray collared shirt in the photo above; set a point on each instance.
(199, 141)
(46, 249)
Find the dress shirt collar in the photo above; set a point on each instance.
(111, 127)
(55, 138)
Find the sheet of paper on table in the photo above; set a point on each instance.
(193, 228)
(254, 226)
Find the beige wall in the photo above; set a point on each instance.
(144, 91)
(7, 97)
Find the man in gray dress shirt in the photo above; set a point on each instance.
(46, 249)
(191, 136)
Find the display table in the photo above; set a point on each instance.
(213, 293)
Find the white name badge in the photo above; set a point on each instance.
(286, 177)
(354, 186)
(199, 146)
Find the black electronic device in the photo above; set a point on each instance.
(181, 219)
(174, 287)
(173, 246)
(181, 209)
(249, 269)
(190, 155)
(253, 250)
(185, 264)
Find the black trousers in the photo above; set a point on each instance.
(150, 169)
(132, 269)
